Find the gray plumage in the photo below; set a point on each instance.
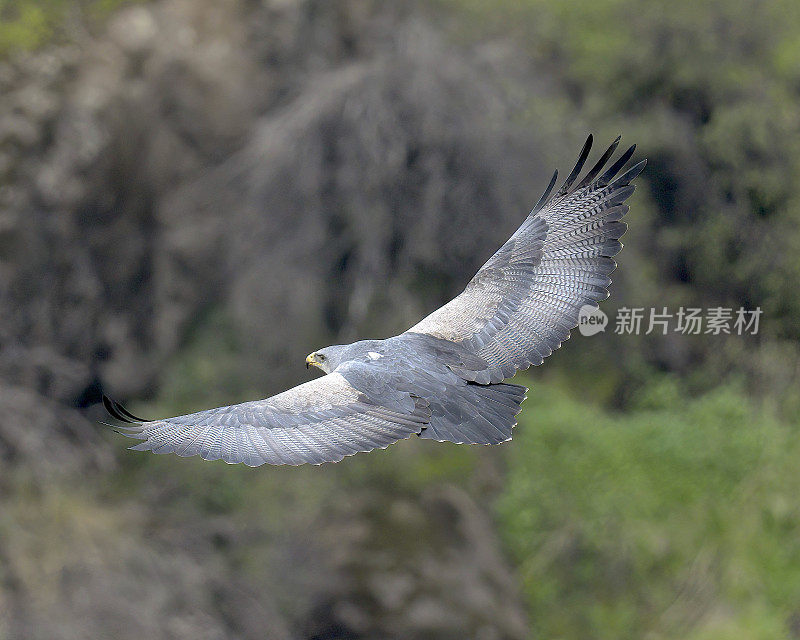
(443, 378)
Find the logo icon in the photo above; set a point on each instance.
(591, 320)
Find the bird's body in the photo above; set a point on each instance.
(443, 378)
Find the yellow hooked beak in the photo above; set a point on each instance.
(311, 359)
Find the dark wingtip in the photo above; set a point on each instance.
(598, 167)
(614, 169)
(630, 175)
(587, 147)
(108, 403)
(119, 412)
(546, 193)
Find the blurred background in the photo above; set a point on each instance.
(194, 194)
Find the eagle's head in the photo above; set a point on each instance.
(329, 358)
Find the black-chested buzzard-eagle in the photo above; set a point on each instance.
(443, 378)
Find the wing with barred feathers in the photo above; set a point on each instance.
(522, 304)
(323, 420)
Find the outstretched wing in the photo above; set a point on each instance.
(522, 304)
(320, 421)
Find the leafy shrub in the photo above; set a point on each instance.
(679, 519)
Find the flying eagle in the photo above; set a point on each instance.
(443, 378)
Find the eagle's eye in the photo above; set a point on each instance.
(320, 357)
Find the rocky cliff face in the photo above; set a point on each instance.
(299, 165)
(302, 164)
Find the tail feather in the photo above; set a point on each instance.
(476, 414)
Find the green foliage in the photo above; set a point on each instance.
(675, 520)
(23, 25)
(29, 24)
